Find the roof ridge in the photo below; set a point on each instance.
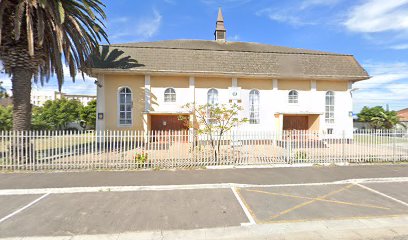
(225, 50)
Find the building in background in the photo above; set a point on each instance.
(38, 98)
(279, 88)
(403, 116)
(84, 99)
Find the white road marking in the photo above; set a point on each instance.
(382, 194)
(246, 210)
(187, 187)
(23, 208)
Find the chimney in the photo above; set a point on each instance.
(220, 31)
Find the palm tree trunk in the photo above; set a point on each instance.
(21, 84)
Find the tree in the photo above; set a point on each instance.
(35, 37)
(378, 117)
(386, 120)
(88, 115)
(38, 122)
(6, 119)
(58, 113)
(214, 121)
(3, 91)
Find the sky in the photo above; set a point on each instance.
(374, 31)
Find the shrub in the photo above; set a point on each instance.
(141, 158)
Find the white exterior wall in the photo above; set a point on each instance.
(158, 104)
(267, 109)
(272, 101)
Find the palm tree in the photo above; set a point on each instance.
(386, 120)
(37, 35)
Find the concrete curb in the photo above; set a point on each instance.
(370, 228)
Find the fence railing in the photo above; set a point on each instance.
(62, 150)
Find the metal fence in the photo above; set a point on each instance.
(59, 150)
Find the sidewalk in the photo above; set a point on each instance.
(263, 176)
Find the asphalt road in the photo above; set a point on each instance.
(58, 204)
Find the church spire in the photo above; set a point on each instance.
(220, 31)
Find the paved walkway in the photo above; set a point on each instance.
(357, 202)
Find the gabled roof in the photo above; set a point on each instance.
(403, 114)
(235, 58)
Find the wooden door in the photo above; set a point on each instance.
(295, 123)
(167, 123)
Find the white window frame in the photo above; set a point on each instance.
(119, 111)
(171, 94)
(293, 99)
(213, 103)
(329, 107)
(254, 113)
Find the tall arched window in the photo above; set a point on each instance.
(293, 96)
(212, 97)
(254, 107)
(170, 95)
(329, 111)
(125, 106)
(212, 100)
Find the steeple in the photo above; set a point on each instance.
(220, 31)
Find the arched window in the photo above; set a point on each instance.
(170, 95)
(125, 106)
(329, 111)
(212, 100)
(212, 97)
(293, 96)
(254, 107)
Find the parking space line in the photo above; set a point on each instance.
(244, 206)
(310, 202)
(318, 199)
(23, 208)
(338, 218)
(4, 192)
(382, 194)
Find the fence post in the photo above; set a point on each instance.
(394, 146)
(342, 146)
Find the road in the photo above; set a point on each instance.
(268, 203)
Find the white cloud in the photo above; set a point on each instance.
(236, 38)
(399, 47)
(314, 3)
(298, 14)
(144, 29)
(81, 86)
(223, 3)
(149, 26)
(388, 85)
(378, 16)
(283, 16)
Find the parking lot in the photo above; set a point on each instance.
(90, 210)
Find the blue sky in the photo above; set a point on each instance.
(374, 31)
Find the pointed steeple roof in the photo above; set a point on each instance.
(220, 21)
(220, 18)
(220, 31)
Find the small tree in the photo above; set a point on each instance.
(6, 118)
(88, 115)
(214, 121)
(58, 113)
(378, 117)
